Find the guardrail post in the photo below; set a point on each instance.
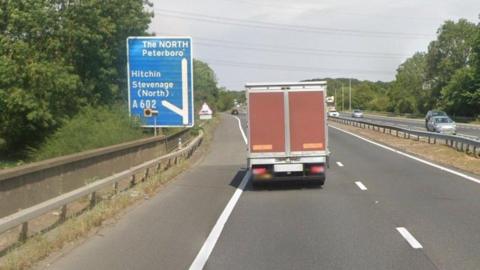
(63, 214)
(93, 199)
(467, 149)
(179, 143)
(476, 152)
(115, 188)
(396, 133)
(23, 232)
(145, 176)
(132, 181)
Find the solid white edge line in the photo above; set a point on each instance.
(339, 164)
(209, 244)
(241, 130)
(470, 178)
(361, 185)
(409, 237)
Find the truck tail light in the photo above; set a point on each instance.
(316, 169)
(259, 171)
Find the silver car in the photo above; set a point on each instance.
(442, 124)
(357, 114)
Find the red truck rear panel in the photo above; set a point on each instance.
(266, 122)
(307, 121)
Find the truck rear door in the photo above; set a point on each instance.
(307, 121)
(266, 122)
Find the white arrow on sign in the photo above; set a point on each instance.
(183, 112)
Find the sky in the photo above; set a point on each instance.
(280, 40)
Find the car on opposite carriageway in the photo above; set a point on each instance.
(357, 113)
(442, 124)
(333, 113)
(433, 113)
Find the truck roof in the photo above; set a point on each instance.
(267, 85)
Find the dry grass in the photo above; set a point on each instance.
(440, 154)
(78, 227)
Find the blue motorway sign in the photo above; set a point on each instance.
(160, 79)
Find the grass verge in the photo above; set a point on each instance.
(74, 229)
(440, 154)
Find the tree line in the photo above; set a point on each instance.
(445, 77)
(57, 56)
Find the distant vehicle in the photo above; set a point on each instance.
(288, 137)
(431, 114)
(330, 101)
(442, 124)
(357, 114)
(333, 114)
(234, 111)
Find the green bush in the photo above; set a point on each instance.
(91, 128)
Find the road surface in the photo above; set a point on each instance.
(378, 210)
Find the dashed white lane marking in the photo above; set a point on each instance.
(207, 247)
(361, 185)
(339, 164)
(470, 178)
(409, 237)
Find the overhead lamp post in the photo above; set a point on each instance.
(350, 99)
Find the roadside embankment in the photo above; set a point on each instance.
(67, 227)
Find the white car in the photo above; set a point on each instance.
(333, 113)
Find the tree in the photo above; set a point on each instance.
(94, 35)
(407, 94)
(36, 89)
(461, 96)
(57, 56)
(204, 84)
(452, 50)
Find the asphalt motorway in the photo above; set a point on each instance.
(468, 130)
(377, 210)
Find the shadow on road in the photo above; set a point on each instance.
(237, 179)
(270, 185)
